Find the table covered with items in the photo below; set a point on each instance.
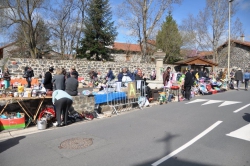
(21, 95)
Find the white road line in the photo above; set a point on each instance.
(187, 144)
(212, 102)
(197, 100)
(242, 133)
(229, 103)
(238, 110)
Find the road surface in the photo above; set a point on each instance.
(208, 130)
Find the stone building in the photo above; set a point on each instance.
(239, 54)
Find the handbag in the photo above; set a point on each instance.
(25, 75)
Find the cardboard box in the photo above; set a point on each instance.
(17, 123)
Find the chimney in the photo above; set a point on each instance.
(242, 37)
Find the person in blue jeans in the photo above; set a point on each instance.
(246, 79)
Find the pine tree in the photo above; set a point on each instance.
(169, 40)
(99, 31)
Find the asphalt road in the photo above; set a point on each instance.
(210, 130)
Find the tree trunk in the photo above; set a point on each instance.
(144, 40)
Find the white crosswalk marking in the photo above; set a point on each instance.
(197, 100)
(241, 133)
(207, 101)
(229, 103)
(212, 102)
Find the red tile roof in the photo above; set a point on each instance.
(131, 47)
(193, 59)
(127, 47)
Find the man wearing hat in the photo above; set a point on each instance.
(48, 79)
(238, 77)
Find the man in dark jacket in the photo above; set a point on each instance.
(188, 83)
(71, 85)
(74, 72)
(29, 72)
(238, 77)
(48, 79)
(125, 73)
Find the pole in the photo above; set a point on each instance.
(229, 20)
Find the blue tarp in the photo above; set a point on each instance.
(103, 98)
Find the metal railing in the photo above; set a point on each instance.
(122, 96)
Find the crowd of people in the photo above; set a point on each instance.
(237, 76)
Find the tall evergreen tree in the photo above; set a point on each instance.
(99, 31)
(169, 40)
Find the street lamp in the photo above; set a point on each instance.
(229, 19)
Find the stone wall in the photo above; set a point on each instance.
(239, 57)
(80, 104)
(82, 66)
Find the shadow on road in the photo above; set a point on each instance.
(4, 145)
(174, 161)
(246, 117)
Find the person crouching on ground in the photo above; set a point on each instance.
(62, 102)
(71, 85)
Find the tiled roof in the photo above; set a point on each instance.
(245, 43)
(7, 45)
(188, 60)
(131, 47)
(205, 53)
(127, 47)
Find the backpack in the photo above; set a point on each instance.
(231, 85)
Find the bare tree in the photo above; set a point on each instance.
(209, 28)
(24, 13)
(67, 21)
(60, 24)
(143, 17)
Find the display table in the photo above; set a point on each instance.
(20, 101)
(175, 89)
(103, 98)
(34, 81)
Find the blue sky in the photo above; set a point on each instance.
(181, 12)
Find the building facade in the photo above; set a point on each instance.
(239, 54)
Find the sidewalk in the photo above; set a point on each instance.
(7, 134)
